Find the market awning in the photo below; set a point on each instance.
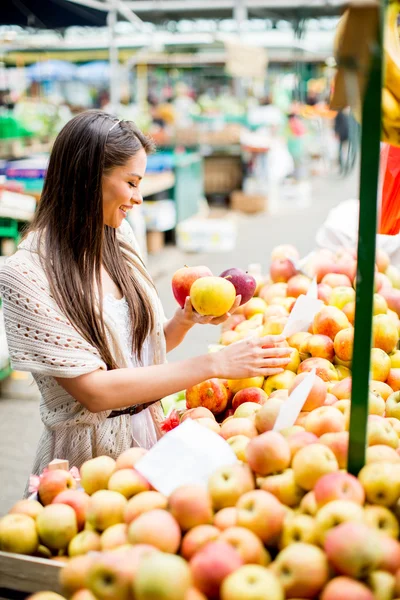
(49, 14)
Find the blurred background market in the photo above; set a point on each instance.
(236, 95)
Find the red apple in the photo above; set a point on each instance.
(198, 537)
(282, 270)
(212, 394)
(338, 486)
(251, 394)
(183, 279)
(244, 283)
(317, 394)
(78, 500)
(354, 549)
(344, 588)
(211, 565)
(53, 483)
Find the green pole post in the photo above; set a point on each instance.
(369, 173)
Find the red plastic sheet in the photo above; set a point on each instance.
(389, 221)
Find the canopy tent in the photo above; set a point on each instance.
(51, 70)
(50, 14)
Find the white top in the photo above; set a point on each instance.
(42, 340)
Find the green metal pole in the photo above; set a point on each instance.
(370, 146)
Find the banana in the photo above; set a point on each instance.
(391, 89)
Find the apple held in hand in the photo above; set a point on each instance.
(212, 296)
(183, 279)
(245, 284)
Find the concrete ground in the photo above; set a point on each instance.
(20, 424)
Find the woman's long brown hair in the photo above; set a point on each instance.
(69, 221)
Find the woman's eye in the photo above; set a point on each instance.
(132, 184)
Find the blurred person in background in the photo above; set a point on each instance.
(342, 128)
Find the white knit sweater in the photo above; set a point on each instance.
(42, 340)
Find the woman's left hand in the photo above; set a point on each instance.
(189, 317)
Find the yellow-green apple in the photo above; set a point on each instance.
(325, 419)
(381, 482)
(18, 534)
(234, 385)
(329, 321)
(343, 372)
(56, 526)
(282, 269)
(109, 576)
(380, 432)
(288, 431)
(162, 577)
(249, 546)
(128, 482)
(344, 588)
(244, 283)
(393, 405)
(336, 280)
(298, 528)
(338, 442)
(211, 394)
(73, 575)
(129, 458)
(226, 517)
(349, 310)
(341, 296)
(156, 527)
(284, 487)
(382, 519)
(197, 413)
(298, 339)
(394, 275)
(238, 426)
(281, 381)
(292, 567)
(191, 505)
(382, 584)
(354, 549)
(262, 513)
(376, 404)
(338, 486)
(268, 453)
(84, 542)
(247, 410)
(270, 293)
(211, 565)
(343, 344)
(197, 537)
(251, 394)
(251, 582)
(265, 418)
(395, 423)
(32, 508)
(297, 285)
(285, 251)
(334, 513)
(318, 346)
(78, 500)
(299, 440)
(381, 453)
(183, 279)
(254, 306)
(324, 368)
(114, 537)
(380, 365)
(324, 292)
(96, 472)
(317, 394)
(274, 326)
(393, 379)
(53, 483)
(143, 502)
(311, 462)
(227, 484)
(308, 505)
(294, 363)
(380, 306)
(381, 388)
(382, 260)
(239, 443)
(395, 359)
(106, 508)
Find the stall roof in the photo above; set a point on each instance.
(56, 14)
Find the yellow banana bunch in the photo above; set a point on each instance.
(391, 85)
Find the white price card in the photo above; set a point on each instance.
(189, 454)
(291, 408)
(303, 312)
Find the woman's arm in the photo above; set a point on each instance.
(113, 390)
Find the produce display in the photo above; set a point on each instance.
(286, 520)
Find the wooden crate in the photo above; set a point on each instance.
(27, 574)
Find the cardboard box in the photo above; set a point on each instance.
(155, 241)
(199, 234)
(248, 203)
(159, 215)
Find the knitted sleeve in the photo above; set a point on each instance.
(40, 337)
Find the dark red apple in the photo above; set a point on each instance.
(183, 279)
(245, 284)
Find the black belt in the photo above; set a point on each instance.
(132, 410)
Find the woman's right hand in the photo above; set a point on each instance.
(252, 357)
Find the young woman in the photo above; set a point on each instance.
(82, 313)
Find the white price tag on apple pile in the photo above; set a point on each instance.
(189, 454)
(292, 407)
(304, 311)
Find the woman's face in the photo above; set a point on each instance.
(121, 189)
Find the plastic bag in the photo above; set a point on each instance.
(389, 222)
(144, 432)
